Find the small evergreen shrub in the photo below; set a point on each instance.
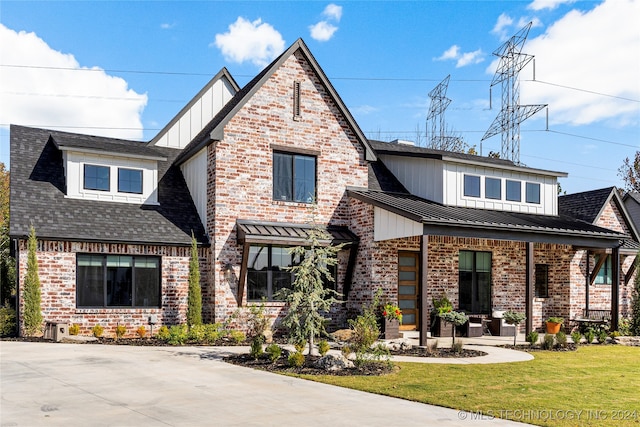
(561, 339)
(576, 336)
(121, 330)
(212, 333)
(299, 346)
(178, 335)
(7, 322)
(589, 335)
(97, 330)
(323, 347)
(274, 352)
(141, 331)
(532, 338)
(256, 346)
(602, 336)
(296, 359)
(548, 341)
(624, 327)
(74, 329)
(163, 333)
(197, 333)
(237, 336)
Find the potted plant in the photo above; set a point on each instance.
(392, 317)
(553, 324)
(440, 307)
(455, 318)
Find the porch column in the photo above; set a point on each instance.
(529, 288)
(587, 284)
(615, 287)
(424, 313)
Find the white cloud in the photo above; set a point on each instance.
(462, 59)
(322, 31)
(467, 58)
(595, 51)
(547, 4)
(45, 95)
(364, 109)
(167, 26)
(502, 24)
(255, 41)
(333, 11)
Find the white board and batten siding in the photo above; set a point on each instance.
(453, 186)
(196, 115)
(194, 171)
(388, 225)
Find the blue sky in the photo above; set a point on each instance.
(124, 69)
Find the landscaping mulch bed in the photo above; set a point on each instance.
(281, 366)
(438, 352)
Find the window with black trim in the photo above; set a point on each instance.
(532, 192)
(130, 180)
(117, 281)
(514, 191)
(542, 280)
(96, 177)
(268, 272)
(493, 188)
(604, 276)
(471, 186)
(294, 177)
(474, 281)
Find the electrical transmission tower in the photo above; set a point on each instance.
(439, 103)
(512, 60)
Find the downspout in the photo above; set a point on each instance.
(16, 256)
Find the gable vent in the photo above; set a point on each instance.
(296, 100)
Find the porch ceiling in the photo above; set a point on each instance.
(438, 219)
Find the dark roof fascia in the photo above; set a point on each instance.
(451, 157)
(217, 132)
(635, 234)
(114, 242)
(505, 232)
(103, 145)
(222, 73)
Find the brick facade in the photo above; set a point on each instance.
(240, 171)
(57, 272)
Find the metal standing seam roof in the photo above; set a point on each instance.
(432, 213)
(274, 232)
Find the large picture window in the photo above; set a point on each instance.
(475, 282)
(96, 177)
(118, 281)
(294, 177)
(267, 272)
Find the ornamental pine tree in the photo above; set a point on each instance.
(635, 305)
(31, 290)
(194, 303)
(308, 296)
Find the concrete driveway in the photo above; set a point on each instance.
(46, 384)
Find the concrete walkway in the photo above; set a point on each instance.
(46, 384)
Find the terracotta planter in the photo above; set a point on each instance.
(391, 329)
(553, 328)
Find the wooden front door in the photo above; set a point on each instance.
(408, 274)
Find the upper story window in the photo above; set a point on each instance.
(532, 194)
(294, 177)
(471, 186)
(514, 191)
(130, 181)
(96, 177)
(493, 188)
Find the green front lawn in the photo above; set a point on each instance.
(596, 385)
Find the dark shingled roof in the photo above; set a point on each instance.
(586, 205)
(64, 141)
(38, 197)
(493, 222)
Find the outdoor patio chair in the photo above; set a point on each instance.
(474, 327)
(499, 327)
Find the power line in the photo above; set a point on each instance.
(112, 98)
(585, 90)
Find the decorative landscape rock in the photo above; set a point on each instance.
(342, 335)
(333, 362)
(630, 341)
